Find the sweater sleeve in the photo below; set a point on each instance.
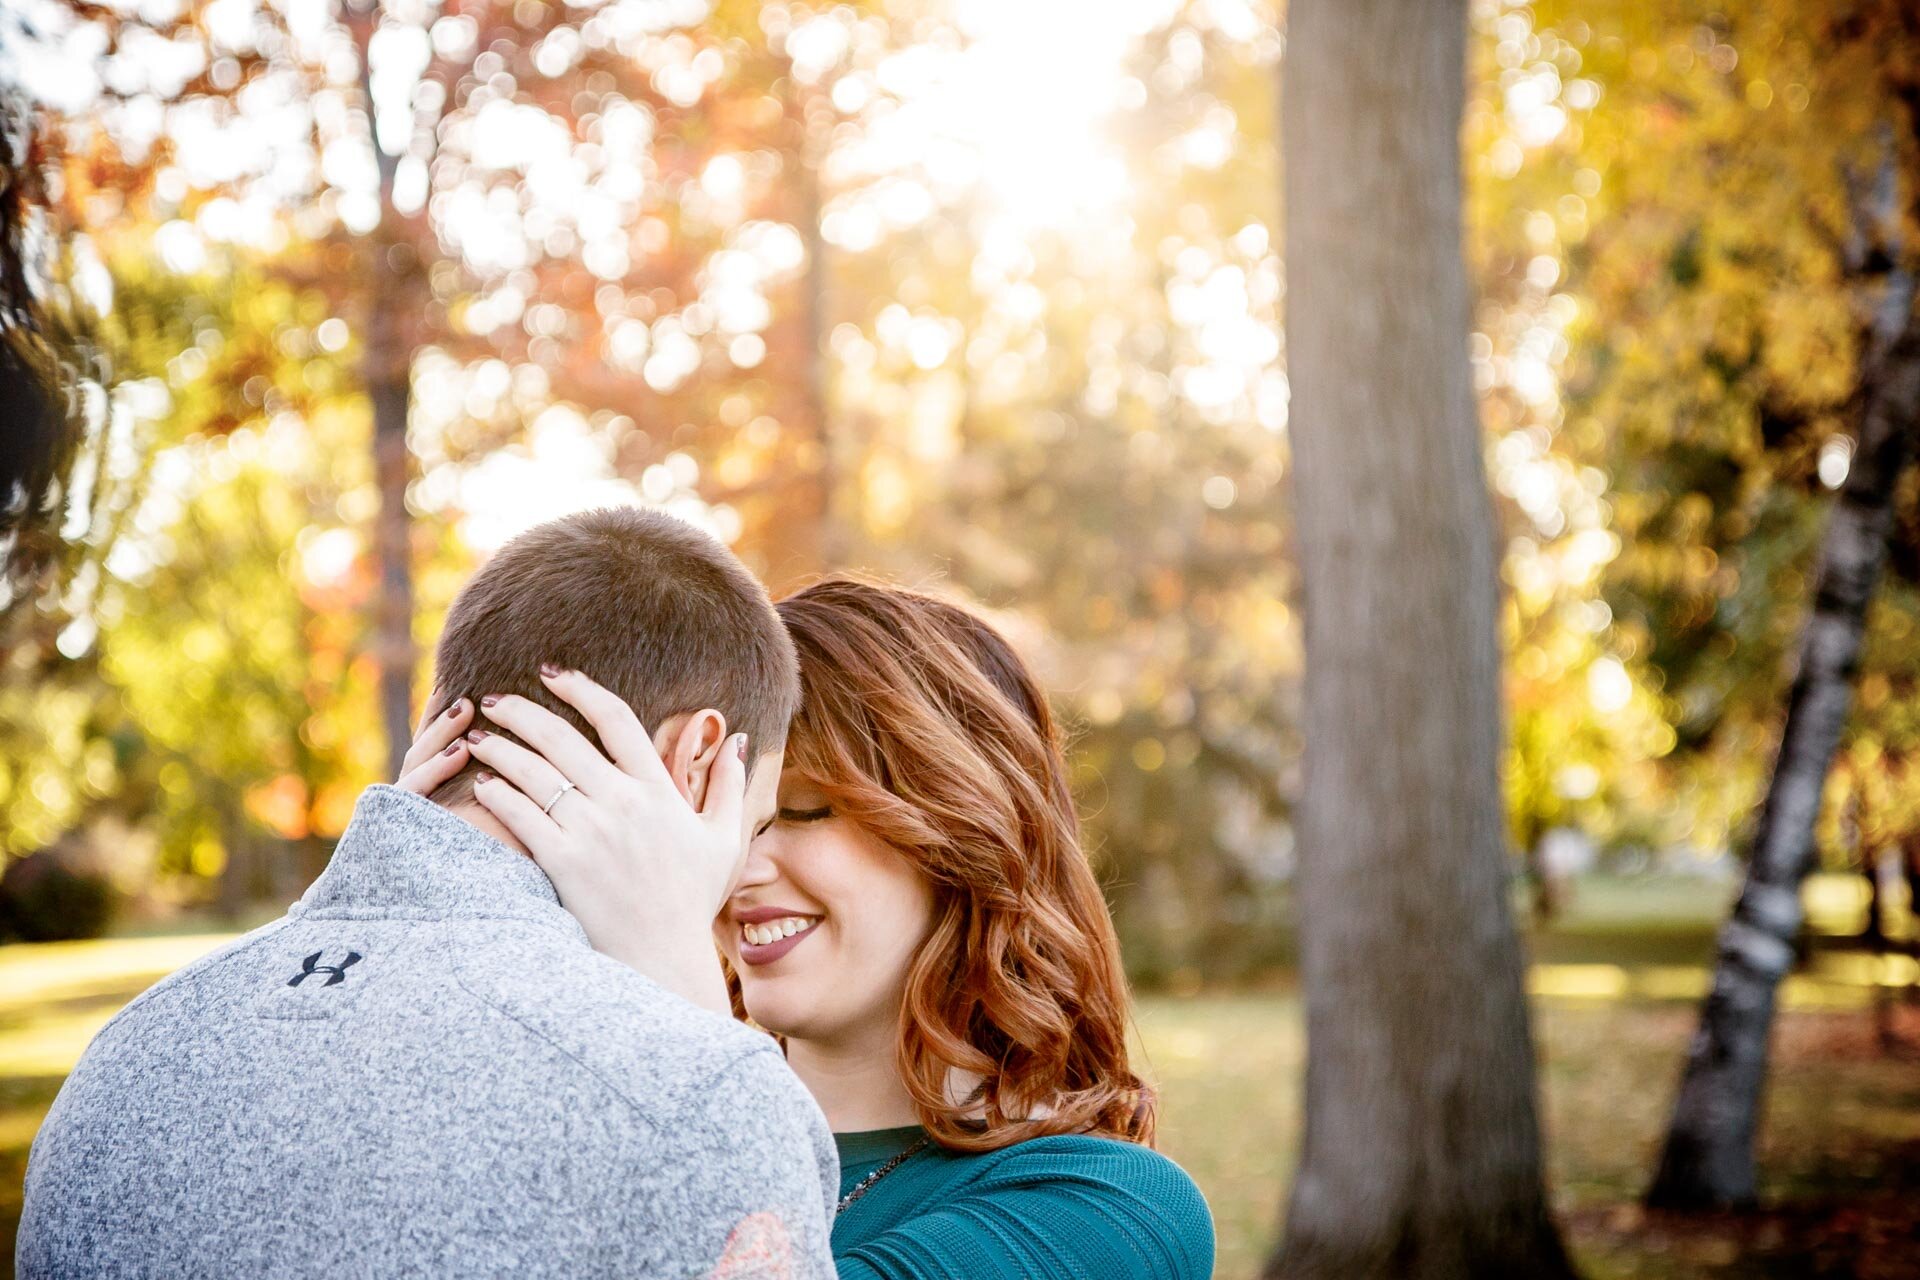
(1079, 1208)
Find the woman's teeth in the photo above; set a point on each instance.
(760, 935)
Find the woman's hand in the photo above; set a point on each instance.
(636, 864)
(439, 748)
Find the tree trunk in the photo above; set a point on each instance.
(1421, 1152)
(237, 886)
(1548, 890)
(1708, 1159)
(1873, 933)
(388, 388)
(392, 269)
(807, 539)
(1910, 869)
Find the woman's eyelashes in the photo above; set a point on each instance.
(792, 815)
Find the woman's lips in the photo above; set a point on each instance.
(767, 953)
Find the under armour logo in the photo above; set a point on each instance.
(336, 974)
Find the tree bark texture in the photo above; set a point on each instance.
(1421, 1151)
(1708, 1159)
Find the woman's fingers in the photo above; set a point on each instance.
(727, 786)
(425, 778)
(620, 730)
(529, 825)
(519, 766)
(725, 809)
(437, 733)
(564, 746)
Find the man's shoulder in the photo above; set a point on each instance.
(520, 979)
(184, 979)
(654, 1048)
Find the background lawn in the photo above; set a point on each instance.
(1614, 999)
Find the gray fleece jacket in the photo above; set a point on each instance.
(424, 1069)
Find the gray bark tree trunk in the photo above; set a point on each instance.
(1421, 1152)
(1708, 1160)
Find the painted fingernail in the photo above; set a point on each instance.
(548, 670)
(483, 776)
(474, 735)
(740, 745)
(490, 699)
(459, 705)
(451, 747)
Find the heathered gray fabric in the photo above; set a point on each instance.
(480, 1093)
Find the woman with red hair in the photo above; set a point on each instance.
(919, 925)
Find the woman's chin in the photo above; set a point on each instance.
(777, 1023)
(780, 1012)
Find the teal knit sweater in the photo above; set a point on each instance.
(1066, 1208)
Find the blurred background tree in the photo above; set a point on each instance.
(576, 194)
(68, 464)
(657, 259)
(1745, 380)
(1421, 1151)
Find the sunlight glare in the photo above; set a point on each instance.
(1028, 95)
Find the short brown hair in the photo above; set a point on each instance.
(654, 609)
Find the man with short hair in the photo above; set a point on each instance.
(424, 1068)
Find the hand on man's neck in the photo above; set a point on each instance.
(692, 786)
(690, 970)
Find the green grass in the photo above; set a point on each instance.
(1844, 1122)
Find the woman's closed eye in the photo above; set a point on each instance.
(792, 815)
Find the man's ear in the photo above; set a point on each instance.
(688, 745)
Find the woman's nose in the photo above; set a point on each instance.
(759, 867)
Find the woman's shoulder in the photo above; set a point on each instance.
(1086, 1154)
(1129, 1186)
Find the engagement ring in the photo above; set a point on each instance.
(565, 787)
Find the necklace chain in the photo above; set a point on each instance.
(860, 1188)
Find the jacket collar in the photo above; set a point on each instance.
(403, 855)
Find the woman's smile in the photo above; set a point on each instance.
(767, 933)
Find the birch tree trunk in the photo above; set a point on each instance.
(1421, 1152)
(1708, 1159)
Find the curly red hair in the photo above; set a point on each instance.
(921, 723)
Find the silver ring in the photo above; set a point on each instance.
(565, 786)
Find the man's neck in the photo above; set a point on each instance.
(855, 1084)
(477, 815)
